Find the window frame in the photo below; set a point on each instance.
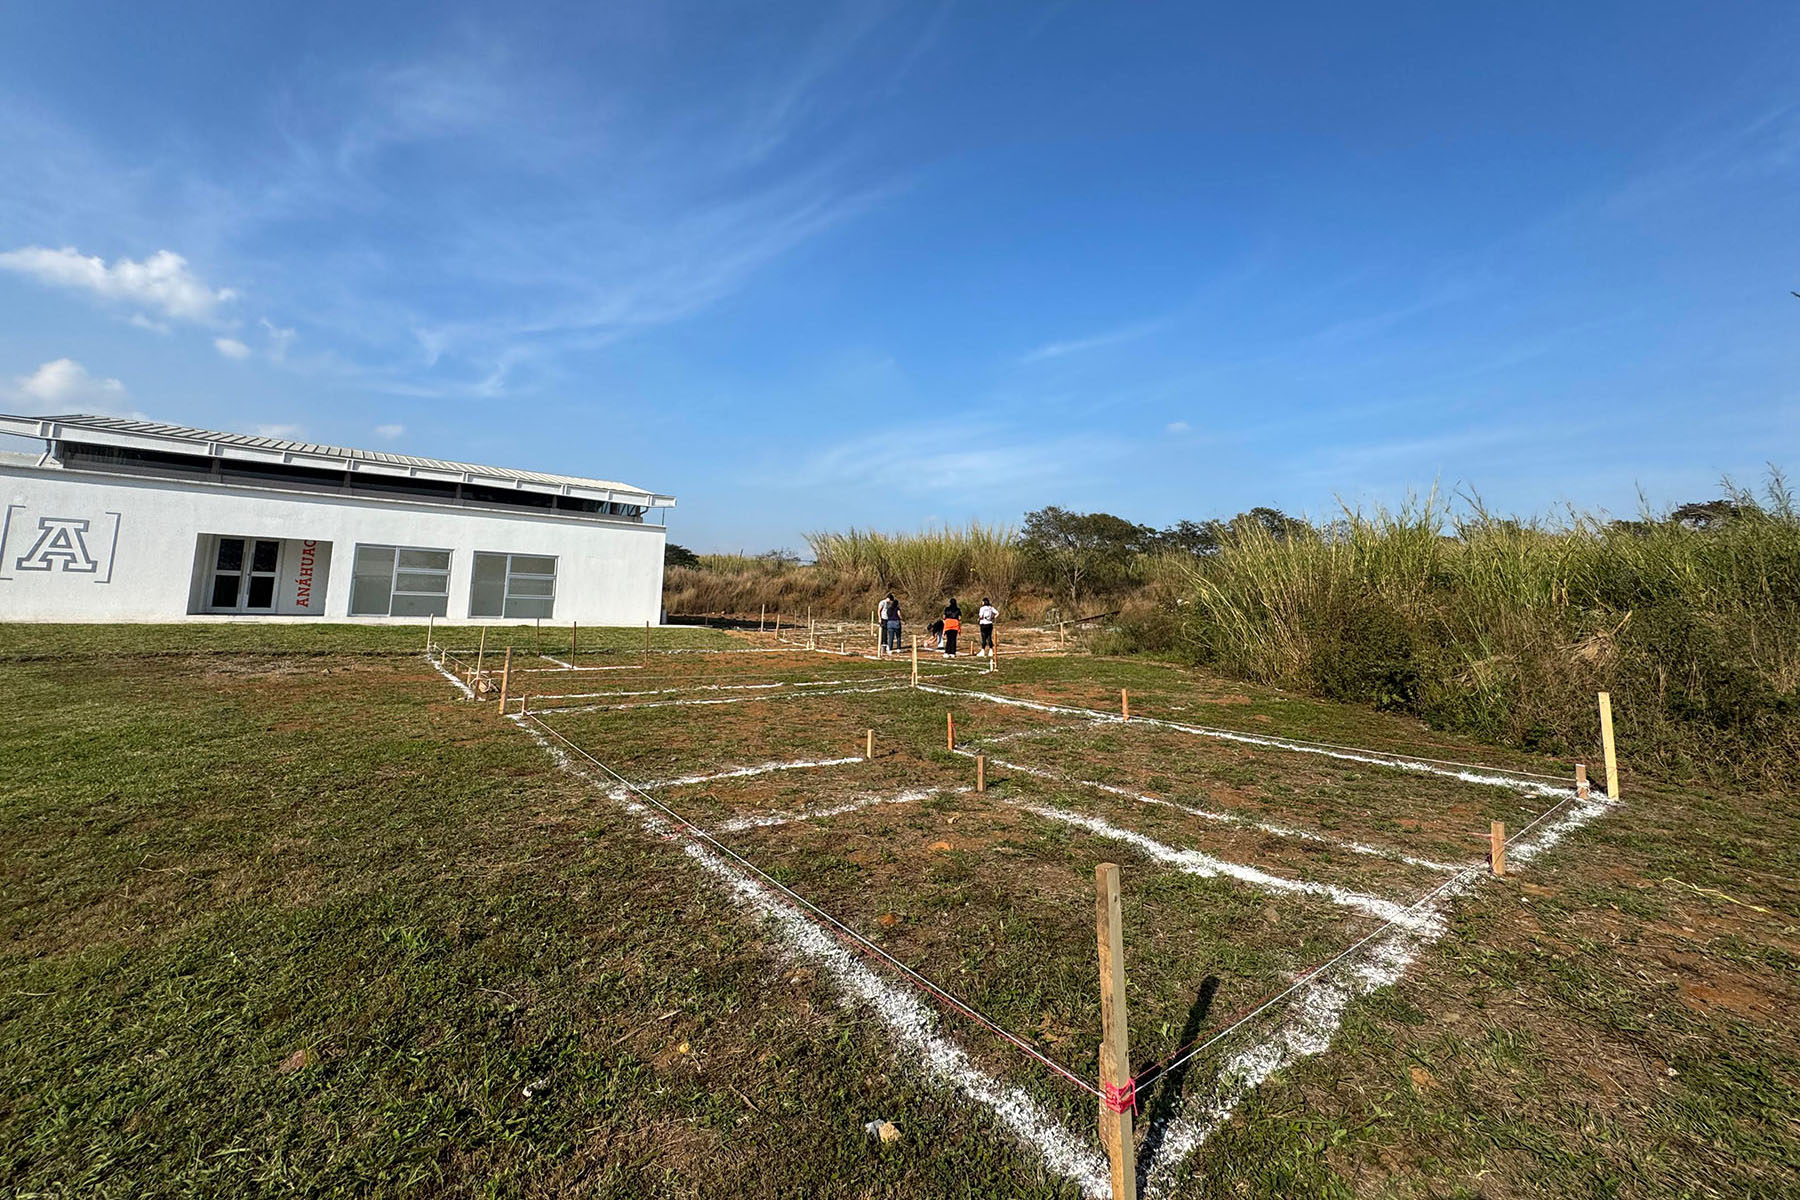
(395, 570)
(507, 594)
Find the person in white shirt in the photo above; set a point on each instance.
(985, 617)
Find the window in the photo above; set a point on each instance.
(400, 581)
(513, 586)
(244, 586)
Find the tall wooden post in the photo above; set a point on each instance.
(646, 643)
(1124, 705)
(869, 746)
(480, 651)
(1606, 745)
(574, 640)
(1062, 632)
(915, 660)
(1497, 847)
(505, 679)
(429, 618)
(994, 653)
(950, 730)
(981, 772)
(1581, 783)
(762, 614)
(1115, 1053)
(812, 633)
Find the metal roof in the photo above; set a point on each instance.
(179, 439)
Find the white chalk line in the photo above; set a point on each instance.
(1318, 1011)
(1206, 866)
(1229, 818)
(912, 1025)
(588, 708)
(1374, 759)
(467, 691)
(858, 804)
(797, 764)
(702, 687)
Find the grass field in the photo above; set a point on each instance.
(287, 915)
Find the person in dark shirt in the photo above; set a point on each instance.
(952, 626)
(890, 624)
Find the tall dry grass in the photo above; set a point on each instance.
(1507, 628)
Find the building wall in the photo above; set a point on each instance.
(86, 547)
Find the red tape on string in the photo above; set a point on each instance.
(1122, 1098)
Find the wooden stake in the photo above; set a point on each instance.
(505, 679)
(915, 660)
(981, 772)
(537, 637)
(1606, 745)
(1125, 704)
(950, 730)
(1062, 632)
(574, 638)
(1497, 847)
(1115, 1052)
(430, 617)
(869, 746)
(762, 613)
(646, 643)
(481, 650)
(1581, 783)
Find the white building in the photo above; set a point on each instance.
(121, 520)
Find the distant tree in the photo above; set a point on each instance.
(679, 556)
(779, 558)
(1705, 514)
(1077, 550)
(1190, 537)
(1274, 522)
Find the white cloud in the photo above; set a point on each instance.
(161, 283)
(390, 431)
(143, 322)
(64, 385)
(277, 431)
(1177, 427)
(279, 340)
(231, 347)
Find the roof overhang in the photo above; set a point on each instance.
(249, 448)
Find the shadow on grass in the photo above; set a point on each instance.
(1167, 1088)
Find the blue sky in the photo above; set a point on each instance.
(807, 265)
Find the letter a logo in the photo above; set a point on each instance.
(61, 546)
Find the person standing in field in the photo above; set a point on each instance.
(985, 616)
(890, 625)
(952, 626)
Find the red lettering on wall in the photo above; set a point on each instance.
(303, 579)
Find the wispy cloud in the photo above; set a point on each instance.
(389, 431)
(64, 385)
(278, 431)
(1130, 333)
(161, 283)
(973, 459)
(231, 347)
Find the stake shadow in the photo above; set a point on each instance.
(1166, 1089)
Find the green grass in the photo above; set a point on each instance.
(19, 641)
(297, 922)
